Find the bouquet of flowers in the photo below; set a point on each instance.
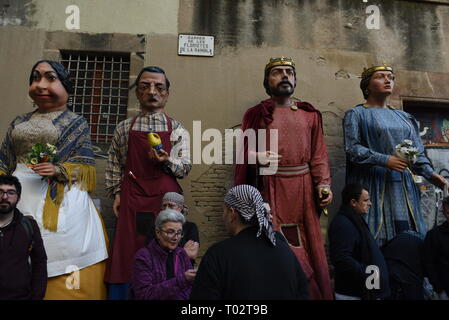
(406, 151)
(41, 153)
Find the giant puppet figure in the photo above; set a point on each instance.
(138, 176)
(372, 131)
(294, 192)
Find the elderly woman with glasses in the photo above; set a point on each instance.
(162, 270)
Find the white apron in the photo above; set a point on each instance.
(79, 241)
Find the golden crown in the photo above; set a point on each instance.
(282, 61)
(368, 72)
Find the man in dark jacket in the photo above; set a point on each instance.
(404, 257)
(23, 261)
(256, 263)
(360, 268)
(436, 255)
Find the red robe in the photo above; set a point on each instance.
(292, 195)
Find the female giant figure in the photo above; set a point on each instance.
(372, 131)
(56, 194)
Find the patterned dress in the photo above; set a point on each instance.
(371, 135)
(73, 235)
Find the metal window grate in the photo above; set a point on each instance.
(101, 89)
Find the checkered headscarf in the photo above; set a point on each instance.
(249, 203)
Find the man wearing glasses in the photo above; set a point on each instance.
(137, 176)
(23, 261)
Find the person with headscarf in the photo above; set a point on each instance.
(296, 190)
(190, 240)
(360, 270)
(56, 193)
(256, 263)
(372, 132)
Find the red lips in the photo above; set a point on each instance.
(43, 96)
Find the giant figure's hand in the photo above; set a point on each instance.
(45, 169)
(328, 199)
(116, 205)
(160, 156)
(395, 163)
(190, 275)
(265, 159)
(438, 181)
(192, 247)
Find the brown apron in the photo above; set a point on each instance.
(141, 195)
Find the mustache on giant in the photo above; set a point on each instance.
(285, 82)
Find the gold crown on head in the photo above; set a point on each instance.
(368, 72)
(281, 61)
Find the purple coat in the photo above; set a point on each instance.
(149, 279)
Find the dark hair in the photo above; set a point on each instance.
(446, 200)
(351, 191)
(61, 71)
(11, 181)
(153, 69)
(265, 80)
(251, 222)
(364, 83)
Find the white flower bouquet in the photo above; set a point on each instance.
(407, 151)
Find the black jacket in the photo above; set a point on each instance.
(246, 267)
(404, 257)
(18, 279)
(436, 257)
(345, 248)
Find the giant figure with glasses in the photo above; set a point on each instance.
(138, 176)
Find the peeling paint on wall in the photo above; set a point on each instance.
(16, 12)
(410, 35)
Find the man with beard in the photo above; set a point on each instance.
(23, 261)
(295, 190)
(138, 176)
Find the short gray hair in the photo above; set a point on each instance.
(169, 215)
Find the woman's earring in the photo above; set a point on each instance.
(70, 102)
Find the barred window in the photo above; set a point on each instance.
(101, 82)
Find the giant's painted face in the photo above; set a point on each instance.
(152, 91)
(46, 90)
(381, 82)
(281, 81)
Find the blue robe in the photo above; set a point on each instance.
(371, 135)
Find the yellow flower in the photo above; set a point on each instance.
(34, 161)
